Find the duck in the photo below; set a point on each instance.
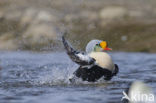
(94, 63)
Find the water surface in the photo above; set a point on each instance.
(28, 77)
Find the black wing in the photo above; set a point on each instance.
(76, 56)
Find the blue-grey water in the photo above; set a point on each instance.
(27, 77)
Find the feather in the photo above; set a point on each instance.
(78, 57)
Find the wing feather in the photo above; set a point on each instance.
(76, 56)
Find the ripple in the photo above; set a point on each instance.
(43, 77)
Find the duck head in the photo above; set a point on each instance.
(102, 46)
(97, 46)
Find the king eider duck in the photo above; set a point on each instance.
(95, 63)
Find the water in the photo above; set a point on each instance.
(43, 78)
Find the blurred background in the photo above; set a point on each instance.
(31, 29)
(127, 25)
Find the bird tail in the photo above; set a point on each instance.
(116, 70)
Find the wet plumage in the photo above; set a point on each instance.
(93, 64)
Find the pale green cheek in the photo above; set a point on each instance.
(97, 49)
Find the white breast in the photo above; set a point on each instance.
(103, 60)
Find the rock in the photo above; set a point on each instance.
(1, 14)
(124, 38)
(35, 24)
(40, 33)
(13, 15)
(70, 17)
(32, 15)
(28, 16)
(34, 28)
(41, 29)
(110, 13)
(86, 15)
(90, 15)
(136, 14)
(45, 16)
(7, 42)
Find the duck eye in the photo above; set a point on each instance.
(97, 44)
